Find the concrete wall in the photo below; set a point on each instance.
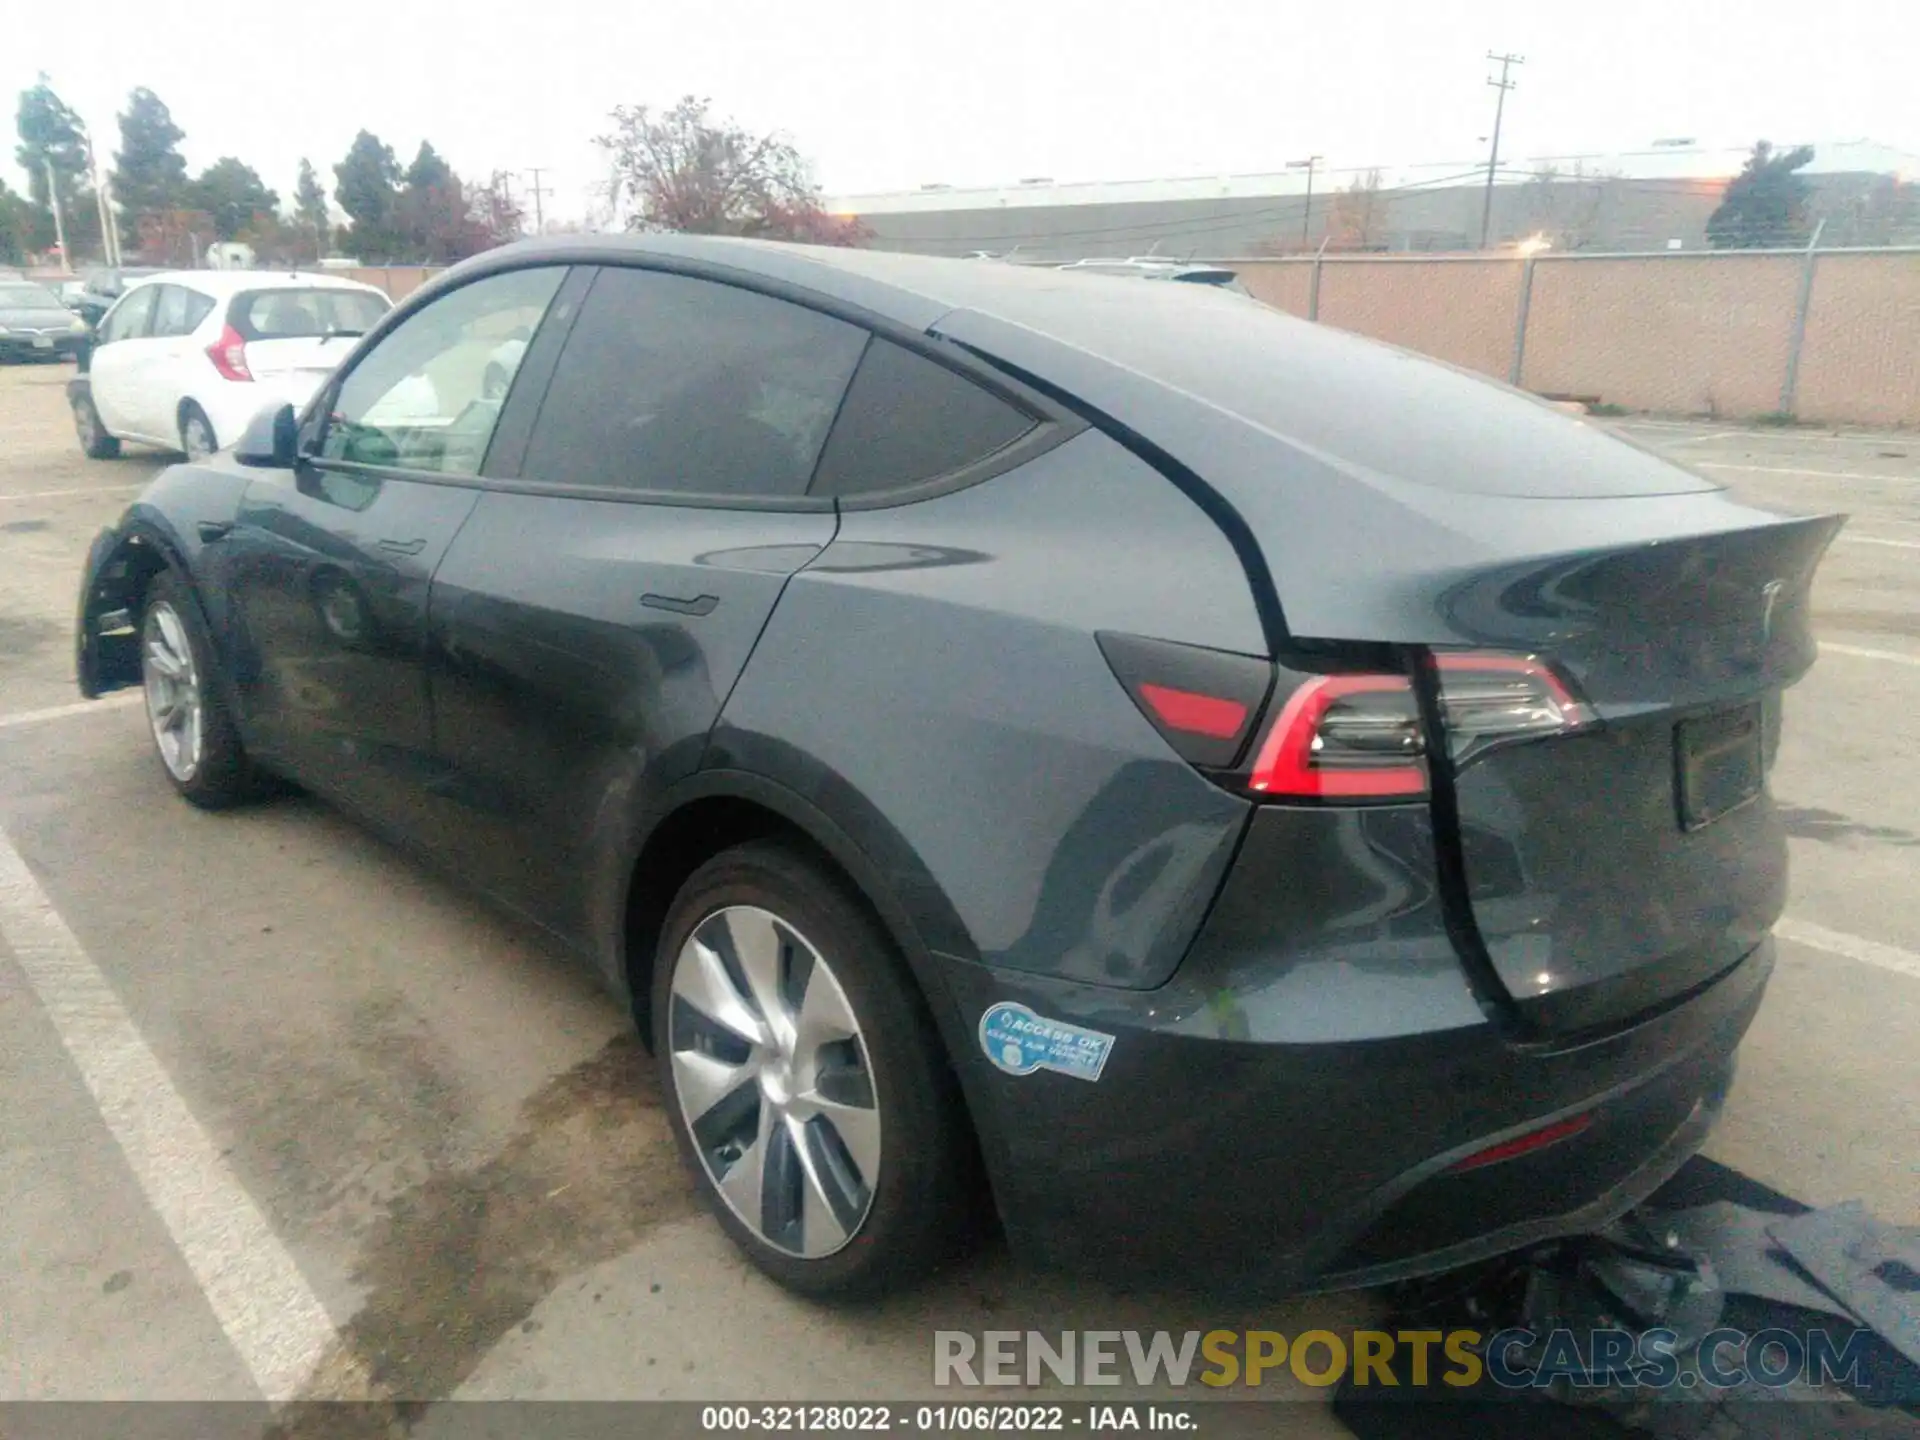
(1682, 334)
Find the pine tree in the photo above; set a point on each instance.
(1765, 204)
(367, 188)
(150, 174)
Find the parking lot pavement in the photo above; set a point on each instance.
(261, 1054)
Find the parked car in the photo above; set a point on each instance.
(1279, 809)
(100, 288)
(184, 360)
(34, 325)
(1148, 268)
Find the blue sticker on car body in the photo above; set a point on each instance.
(1021, 1042)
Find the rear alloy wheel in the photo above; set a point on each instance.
(193, 733)
(94, 439)
(809, 1091)
(197, 440)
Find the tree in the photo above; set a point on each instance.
(1359, 214)
(52, 136)
(1570, 209)
(366, 185)
(24, 226)
(428, 169)
(232, 194)
(493, 211)
(686, 171)
(150, 174)
(431, 215)
(1765, 204)
(310, 209)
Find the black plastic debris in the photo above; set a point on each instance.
(1712, 1254)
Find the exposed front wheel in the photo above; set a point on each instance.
(808, 1088)
(94, 439)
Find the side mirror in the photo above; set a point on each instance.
(271, 439)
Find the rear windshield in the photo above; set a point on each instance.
(27, 297)
(297, 314)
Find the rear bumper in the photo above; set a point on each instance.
(1247, 1130)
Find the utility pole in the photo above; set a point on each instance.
(59, 222)
(1503, 84)
(539, 216)
(109, 235)
(1306, 217)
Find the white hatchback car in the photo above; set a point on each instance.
(184, 361)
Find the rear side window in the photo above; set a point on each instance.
(687, 386)
(908, 419)
(179, 311)
(304, 314)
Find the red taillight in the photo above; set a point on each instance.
(229, 355)
(1344, 736)
(1203, 702)
(1193, 713)
(1524, 1144)
(1359, 737)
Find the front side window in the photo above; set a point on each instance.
(129, 319)
(420, 399)
(676, 385)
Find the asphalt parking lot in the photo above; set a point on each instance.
(278, 1103)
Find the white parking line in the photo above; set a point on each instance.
(262, 1301)
(117, 701)
(1852, 947)
(1860, 652)
(1801, 471)
(1878, 540)
(88, 490)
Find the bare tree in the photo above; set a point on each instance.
(1359, 215)
(684, 170)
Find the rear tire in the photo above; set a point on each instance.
(197, 440)
(193, 731)
(837, 1161)
(94, 439)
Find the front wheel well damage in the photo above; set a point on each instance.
(114, 609)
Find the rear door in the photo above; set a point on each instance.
(296, 337)
(329, 563)
(589, 623)
(118, 359)
(161, 362)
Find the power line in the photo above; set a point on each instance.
(1502, 85)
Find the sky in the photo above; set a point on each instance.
(887, 95)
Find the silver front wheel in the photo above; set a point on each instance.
(174, 703)
(772, 1074)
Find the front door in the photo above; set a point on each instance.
(119, 354)
(588, 631)
(331, 563)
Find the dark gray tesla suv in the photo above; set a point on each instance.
(1232, 800)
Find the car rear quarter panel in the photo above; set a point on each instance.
(932, 681)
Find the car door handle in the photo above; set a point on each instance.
(402, 547)
(699, 605)
(212, 530)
